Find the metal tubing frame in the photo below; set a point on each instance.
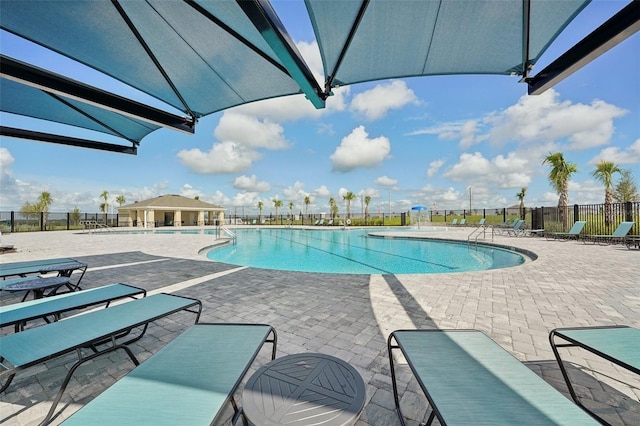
(621, 26)
(575, 343)
(434, 411)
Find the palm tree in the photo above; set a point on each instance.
(44, 201)
(307, 201)
(260, 206)
(604, 174)
(277, 203)
(521, 195)
(332, 207)
(559, 177)
(348, 197)
(367, 200)
(291, 210)
(105, 206)
(120, 200)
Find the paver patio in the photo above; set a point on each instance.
(350, 316)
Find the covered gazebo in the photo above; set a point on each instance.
(171, 210)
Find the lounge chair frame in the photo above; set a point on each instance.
(496, 384)
(619, 235)
(18, 314)
(64, 342)
(178, 364)
(629, 335)
(574, 233)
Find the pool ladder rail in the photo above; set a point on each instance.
(230, 233)
(480, 230)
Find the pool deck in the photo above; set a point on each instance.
(350, 316)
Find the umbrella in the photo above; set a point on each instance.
(419, 209)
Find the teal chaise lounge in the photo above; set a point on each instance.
(469, 379)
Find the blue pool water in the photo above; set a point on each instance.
(353, 252)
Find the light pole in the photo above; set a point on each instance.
(469, 199)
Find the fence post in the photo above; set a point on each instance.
(576, 213)
(504, 215)
(68, 221)
(13, 221)
(628, 211)
(42, 227)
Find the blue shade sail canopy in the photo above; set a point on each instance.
(203, 56)
(371, 40)
(419, 208)
(31, 102)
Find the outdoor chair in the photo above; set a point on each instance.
(469, 379)
(89, 336)
(454, 222)
(188, 382)
(463, 222)
(618, 236)
(619, 345)
(574, 232)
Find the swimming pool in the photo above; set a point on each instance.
(351, 251)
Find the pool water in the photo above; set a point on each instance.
(351, 251)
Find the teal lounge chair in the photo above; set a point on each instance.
(482, 221)
(618, 236)
(454, 222)
(190, 381)
(617, 344)
(469, 379)
(574, 232)
(463, 222)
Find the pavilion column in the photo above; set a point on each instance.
(151, 219)
(177, 218)
(201, 218)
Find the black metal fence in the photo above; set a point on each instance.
(601, 219)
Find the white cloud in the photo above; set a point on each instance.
(358, 150)
(629, 155)
(250, 132)
(375, 103)
(434, 166)
(295, 192)
(512, 171)
(321, 192)
(385, 181)
(541, 119)
(245, 199)
(251, 184)
(189, 191)
(545, 117)
(224, 157)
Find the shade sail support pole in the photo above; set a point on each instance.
(266, 21)
(12, 132)
(618, 28)
(345, 48)
(56, 84)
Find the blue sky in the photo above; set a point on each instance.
(403, 142)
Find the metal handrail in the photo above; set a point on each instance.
(231, 234)
(482, 229)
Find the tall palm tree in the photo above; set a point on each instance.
(291, 210)
(120, 200)
(307, 201)
(260, 206)
(44, 201)
(105, 206)
(332, 207)
(604, 174)
(521, 195)
(559, 176)
(277, 203)
(367, 200)
(348, 197)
